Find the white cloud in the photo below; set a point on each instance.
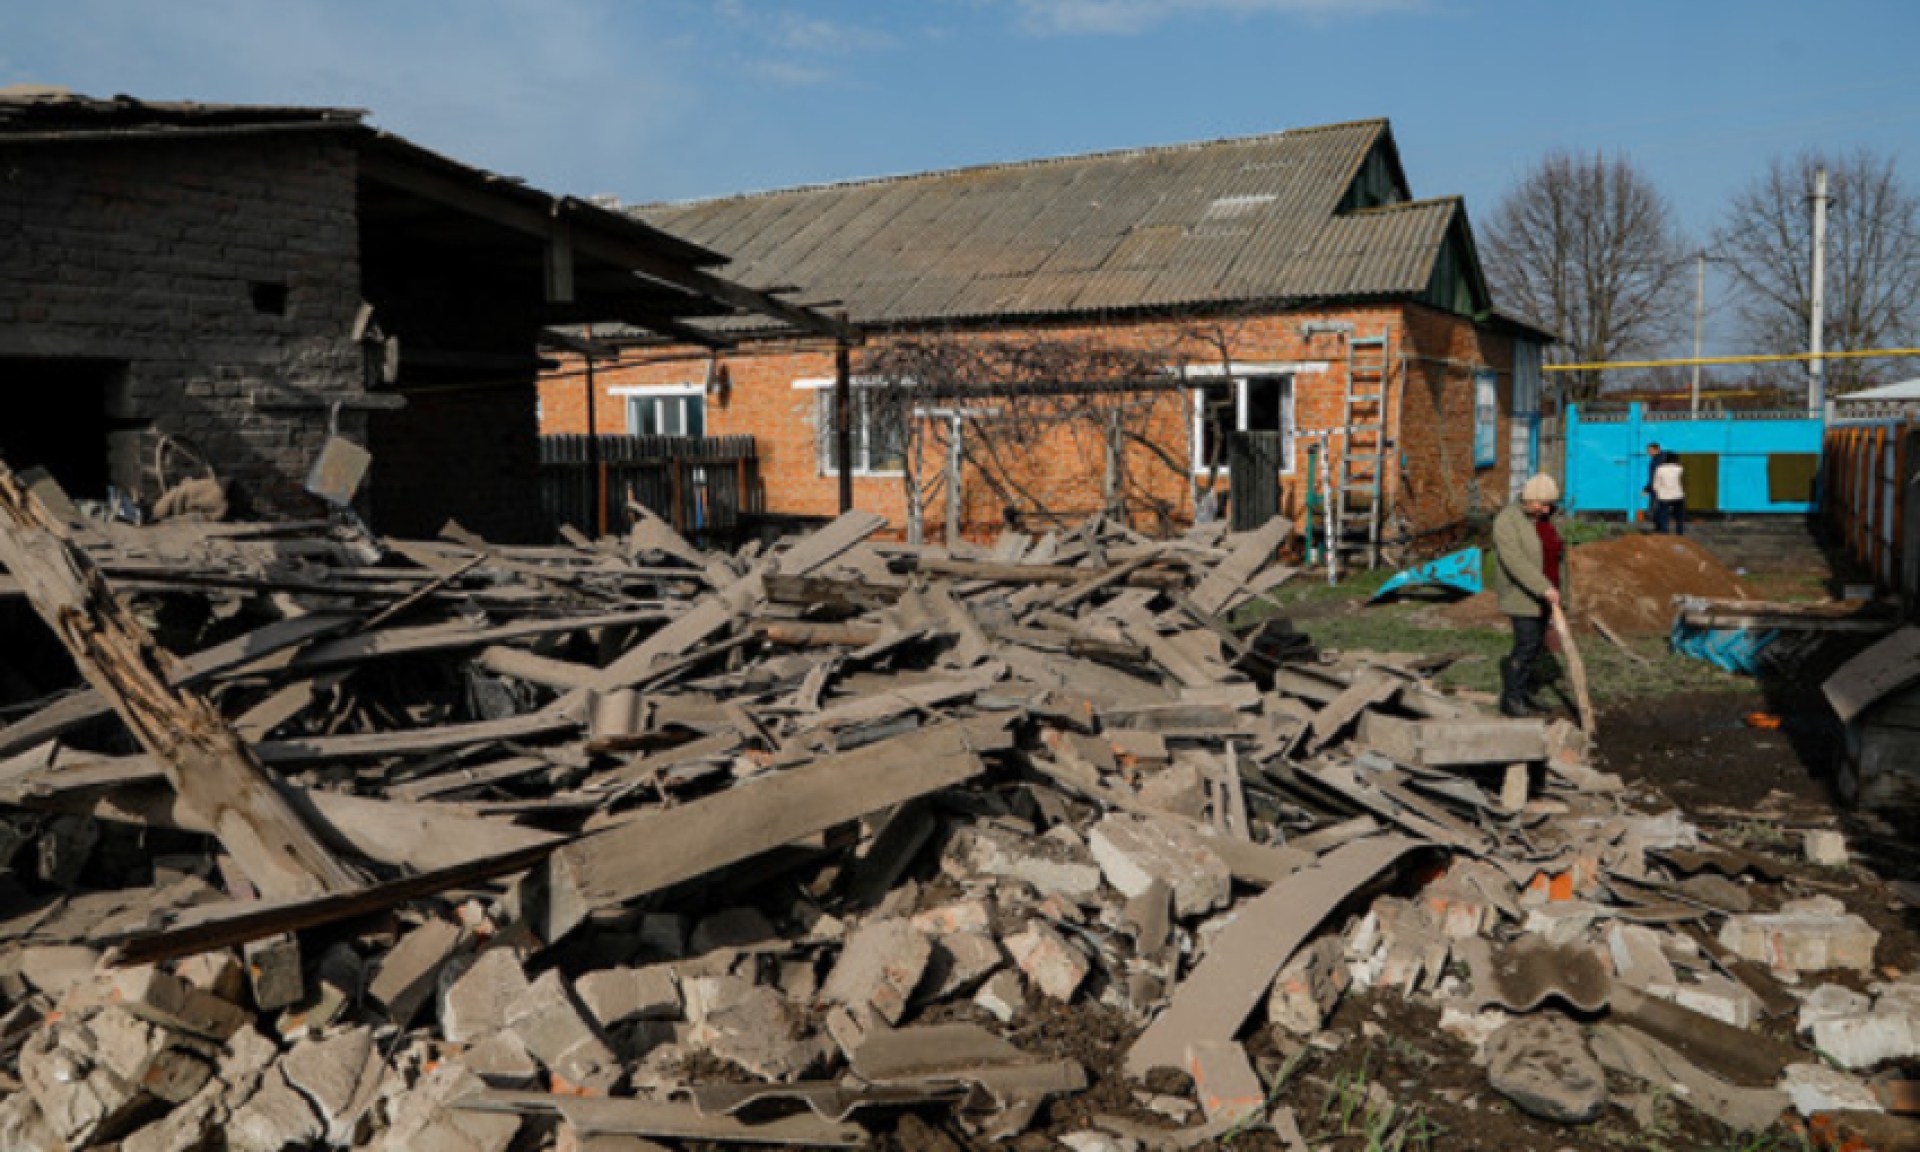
(1128, 17)
(796, 49)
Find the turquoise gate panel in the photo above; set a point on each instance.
(1607, 454)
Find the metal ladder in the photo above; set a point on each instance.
(1358, 507)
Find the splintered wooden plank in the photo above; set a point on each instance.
(454, 636)
(664, 847)
(1445, 743)
(821, 547)
(420, 836)
(1252, 552)
(1862, 681)
(710, 614)
(1216, 997)
(207, 763)
(1368, 689)
(82, 707)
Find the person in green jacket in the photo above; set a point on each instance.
(1529, 557)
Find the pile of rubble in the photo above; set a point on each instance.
(452, 846)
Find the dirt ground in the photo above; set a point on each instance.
(1628, 582)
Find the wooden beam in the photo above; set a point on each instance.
(664, 847)
(206, 761)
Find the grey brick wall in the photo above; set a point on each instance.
(148, 253)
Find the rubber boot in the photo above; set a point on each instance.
(1513, 700)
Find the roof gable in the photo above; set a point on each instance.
(1309, 214)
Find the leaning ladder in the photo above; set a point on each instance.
(1363, 460)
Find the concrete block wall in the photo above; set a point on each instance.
(168, 259)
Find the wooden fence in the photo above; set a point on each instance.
(707, 487)
(1868, 468)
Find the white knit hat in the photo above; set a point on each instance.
(1540, 489)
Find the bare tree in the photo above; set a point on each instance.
(1587, 247)
(1872, 263)
(1023, 420)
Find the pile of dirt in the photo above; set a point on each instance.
(1629, 582)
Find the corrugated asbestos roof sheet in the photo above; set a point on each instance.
(1196, 225)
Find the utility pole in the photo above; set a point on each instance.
(1699, 308)
(1817, 378)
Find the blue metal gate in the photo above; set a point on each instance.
(1752, 461)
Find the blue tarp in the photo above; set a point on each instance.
(1458, 571)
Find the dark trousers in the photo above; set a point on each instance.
(1529, 640)
(1670, 517)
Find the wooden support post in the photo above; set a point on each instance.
(210, 767)
(843, 419)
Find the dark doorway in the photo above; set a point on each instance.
(59, 420)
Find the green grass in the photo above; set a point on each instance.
(1339, 618)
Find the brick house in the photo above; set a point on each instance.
(189, 282)
(1268, 284)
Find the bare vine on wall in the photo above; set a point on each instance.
(1005, 417)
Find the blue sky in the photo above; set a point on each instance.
(678, 99)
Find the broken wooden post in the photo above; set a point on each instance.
(210, 766)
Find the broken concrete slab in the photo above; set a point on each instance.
(165, 999)
(1003, 996)
(618, 996)
(1223, 1079)
(1860, 1033)
(410, 973)
(476, 991)
(1055, 966)
(1816, 1088)
(1134, 851)
(335, 1074)
(275, 1118)
(984, 851)
(81, 1097)
(1812, 935)
(879, 967)
(1216, 998)
(1543, 1064)
(557, 1033)
(959, 961)
(1308, 989)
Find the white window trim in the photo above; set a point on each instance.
(1254, 368)
(820, 455)
(632, 392)
(1240, 375)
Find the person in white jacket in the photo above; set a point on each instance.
(1669, 497)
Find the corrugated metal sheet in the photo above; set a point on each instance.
(1185, 226)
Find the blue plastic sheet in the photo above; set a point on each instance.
(1735, 650)
(1457, 571)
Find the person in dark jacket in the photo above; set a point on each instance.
(1529, 570)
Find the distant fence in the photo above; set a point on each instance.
(1870, 465)
(707, 487)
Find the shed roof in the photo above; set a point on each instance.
(615, 266)
(1311, 214)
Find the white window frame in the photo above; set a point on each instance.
(861, 432)
(635, 394)
(1241, 375)
(1486, 418)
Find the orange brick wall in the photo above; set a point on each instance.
(1431, 354)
